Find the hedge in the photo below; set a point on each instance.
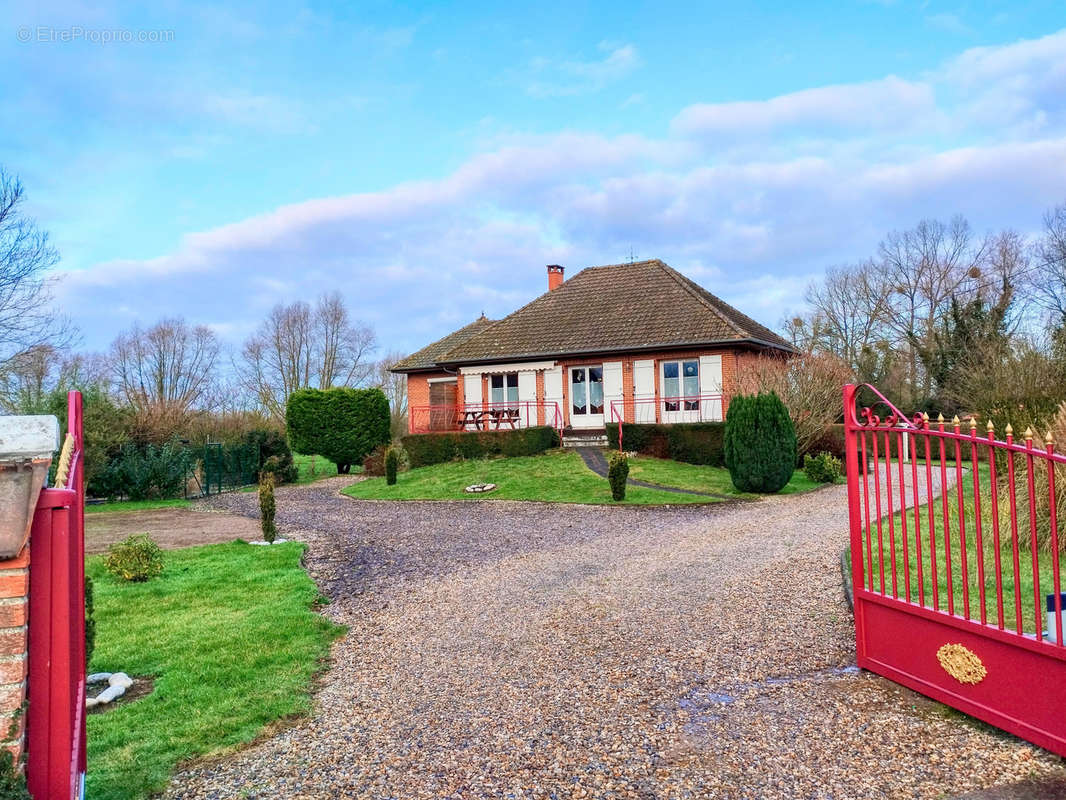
(341, 424)
(424, 449)
(691, 442)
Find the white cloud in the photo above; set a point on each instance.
(563, 78)
(420, 258)
(887, 103)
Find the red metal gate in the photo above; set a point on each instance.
(55, 720)
(955, 565)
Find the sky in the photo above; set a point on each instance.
(428, 160)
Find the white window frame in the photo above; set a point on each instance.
(687, 410)
(502, 400)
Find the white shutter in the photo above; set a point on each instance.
(527, 391)
(553, 393)
(612, 390)
(471, 392)
(644, 388)
(711, 383)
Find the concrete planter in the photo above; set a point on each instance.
(26, 447)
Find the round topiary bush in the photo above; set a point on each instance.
(760, 443)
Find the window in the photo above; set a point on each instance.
(681, 384)
(503, 390)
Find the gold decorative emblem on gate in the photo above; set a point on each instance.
(961, 663)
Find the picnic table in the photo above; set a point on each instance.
(482, 419)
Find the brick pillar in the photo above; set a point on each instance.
(14, 594)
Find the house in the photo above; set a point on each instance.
(634, 342)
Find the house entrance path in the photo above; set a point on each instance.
(526, 650)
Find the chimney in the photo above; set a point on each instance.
(555, 277)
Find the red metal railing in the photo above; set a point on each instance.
(709, 407)
(955, 541)
(484, 416)
(55, 719)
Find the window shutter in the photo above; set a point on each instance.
(711, 383)
(644, 388)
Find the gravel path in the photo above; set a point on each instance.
(522, 650)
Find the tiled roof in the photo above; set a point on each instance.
(428, 356)
(643, 305)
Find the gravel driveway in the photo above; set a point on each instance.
(521, 650)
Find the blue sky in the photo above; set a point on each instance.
(429, 160)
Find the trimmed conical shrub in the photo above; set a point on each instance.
(760, 443)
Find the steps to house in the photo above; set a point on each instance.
(585, 437)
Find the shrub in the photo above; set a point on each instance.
(822, 468)
(809, 385)
(90, 621)
(279, 470)
(267, 508)
(1038, 515)
(12, 777)
(374, 463)
(424, 449)
(392, 462)
(137, 559)
(146, 472)
(691, 442)
(760, 443)
(342, 424)
(617, 474)
(275, 457)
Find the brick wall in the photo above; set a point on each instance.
(14, 590)
(418, 392)
(729, 374)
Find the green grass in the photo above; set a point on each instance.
(228, 632)
(558, 477)
(137, 505)
(312, 468)
(987, 552)
(702, 479)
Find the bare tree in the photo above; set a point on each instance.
(165, 372)
(808, 385)
(28, 379)
(926, 267)
(1048, 283)
(395, 388)
(344, 346)
(297, 346)
(27, 318)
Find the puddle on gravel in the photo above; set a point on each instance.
(705, 706)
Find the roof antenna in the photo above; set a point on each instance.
(631, 256)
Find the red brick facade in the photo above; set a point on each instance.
(14, 591)
(418, 384)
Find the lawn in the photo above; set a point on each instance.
(229, 634)
(314, 467)
(558, 477)
(703, 479)
(965, 586)
(137, 505)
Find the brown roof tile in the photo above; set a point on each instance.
(642, 305)
(428, 356)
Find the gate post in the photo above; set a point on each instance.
(851, 460)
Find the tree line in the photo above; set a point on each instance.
(171, 379)
(944, 320)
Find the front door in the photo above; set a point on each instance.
(586, 397)
(442, 401)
